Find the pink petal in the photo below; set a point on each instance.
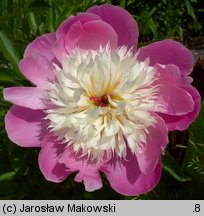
(59, 49)
(41, 45)
(88, 170)
(59, 46)
(91, 182)
(126, 178)
(25, 127)
(175, 99)
(155, 144)
(37, 69)
(183, 122)
(90, 35)
(168, 52)
(30, 97)
(122, 22)
(82, 17)
(48, 160)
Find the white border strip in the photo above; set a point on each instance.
(102, 207)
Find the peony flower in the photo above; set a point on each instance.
(99, 104)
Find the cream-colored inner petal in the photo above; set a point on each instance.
(103, 102)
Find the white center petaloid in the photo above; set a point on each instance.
(102, 102)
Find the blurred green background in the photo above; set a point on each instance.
(23, 20)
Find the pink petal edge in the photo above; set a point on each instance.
(157, 140)
(172, 96)
(183, 122)
(48, 160)
(88, 171)
(41, 46)
(29, 97)
(38, 70)
(168, 52)
(126, 178)
(122, 22)
(59, 46)
(90, 35)
(25, 127)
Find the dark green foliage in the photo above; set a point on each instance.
(23, 20)
(167, 19)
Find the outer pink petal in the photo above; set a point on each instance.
(88, 171)
(59, 49)
(168, 52)
(59, 46)
(121, 21)
(30, 97)
(82, 17)
(25, 127)
(156, 142)
(175, 99)
(41, 45)
(37, 69)
(48, 160)
(91, 182)
(90, 35)
(126, 178)
(183, 122)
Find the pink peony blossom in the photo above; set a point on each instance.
(99, 104)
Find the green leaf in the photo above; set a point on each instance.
(122, 3)
(5, 6)
(170, 165)
(7, 176)
(194, 157)
(50, 19)
(8, 16)
(17, 159)
(197, 128)
(9, 50)
(9, 75)
(33, 21)
(7, 187)
(190, 10)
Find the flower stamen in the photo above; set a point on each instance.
(100, 101)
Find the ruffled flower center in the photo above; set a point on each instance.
(102, 102)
